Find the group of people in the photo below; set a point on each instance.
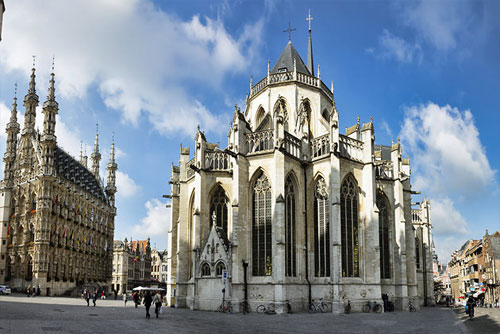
(32, 291)
(87, 295)
(147, 299)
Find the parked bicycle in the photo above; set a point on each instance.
(225, 307)
(411, 306)
(369, 306)
(244, 307)
(269, 309)
(317, 306)
(347, 307)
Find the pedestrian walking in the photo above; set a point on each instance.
(34, 292)
(147, 302)
(87, 296)
(38, 290)
(116, 293)
(135, 297)
(125, 298)
(157, 300)
(28, 290)
(94, 297)
(103, 295)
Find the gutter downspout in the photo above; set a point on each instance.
(305, 234)
(245, 283)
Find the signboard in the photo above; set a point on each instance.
(224, 276)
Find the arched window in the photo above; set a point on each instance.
(383, 232)
(219, 268)
(290, 238)
(218, 209)
(260, 117)
(325, 115)
(349, 227)
(205, 269)
(321, 229)
(261, 228)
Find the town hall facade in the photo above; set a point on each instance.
(292, 210)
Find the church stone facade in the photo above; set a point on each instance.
(292, 210)
(56, 215)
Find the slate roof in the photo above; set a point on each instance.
(286, 61)
(75, 172)
(386, 151)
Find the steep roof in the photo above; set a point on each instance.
(286, 61)
(142, 244)
(75, 172)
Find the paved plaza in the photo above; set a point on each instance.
(19, 314)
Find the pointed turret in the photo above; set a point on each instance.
(30, 103)
(12, 131)
(111, 181)
(96, 156)
(50, 110)
(310, 62)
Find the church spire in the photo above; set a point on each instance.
(310, 62)
(96, 156)
(50, 110)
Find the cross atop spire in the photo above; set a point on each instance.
(289, 30)
(309, 18)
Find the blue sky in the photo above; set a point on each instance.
(427, 71)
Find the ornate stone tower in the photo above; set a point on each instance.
(111, 181)
(96, 157)
(12, 131)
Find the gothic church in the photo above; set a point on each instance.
(292, 210)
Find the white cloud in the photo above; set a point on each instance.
(386, 128)
(437, 22)
(446, 220)
(136, 54)
(446, 151)
(394, 47)
(157, 220)
(125, 185)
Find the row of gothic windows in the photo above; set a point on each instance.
(262, 227)
(206, 271)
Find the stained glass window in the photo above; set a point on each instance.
(261, 228)
(349, 227)
(383, 228)
(321, 230)
(290, 237)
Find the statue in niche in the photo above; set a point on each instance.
(302, 125)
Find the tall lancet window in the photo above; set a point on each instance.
(218, 209)
(383, 233)
(190, 235)
(321, 229)
(262, 261)
(349, 227)
(290, 237)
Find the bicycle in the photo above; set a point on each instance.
(347, 308)
(376, 307)
(316, 306)
(267, 310)
(225, 307)
(244, 307)
(411, 307)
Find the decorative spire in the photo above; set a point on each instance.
(13, 114)
(30, 103)
(96, 156)
(310, 62)
(52, 90)
(32, 89)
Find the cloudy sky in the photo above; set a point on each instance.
(151, 71)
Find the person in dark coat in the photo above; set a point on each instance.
(147, 302)
(87, 296)
(94, 297)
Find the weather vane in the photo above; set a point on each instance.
(289, 30)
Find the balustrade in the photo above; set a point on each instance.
(351, 148)
(260, 141)
(289, 76)
(216, 160)
(292, 145)
(320, 146)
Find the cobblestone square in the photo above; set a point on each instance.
(19, 314)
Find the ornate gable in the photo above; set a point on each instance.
(216, 248)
